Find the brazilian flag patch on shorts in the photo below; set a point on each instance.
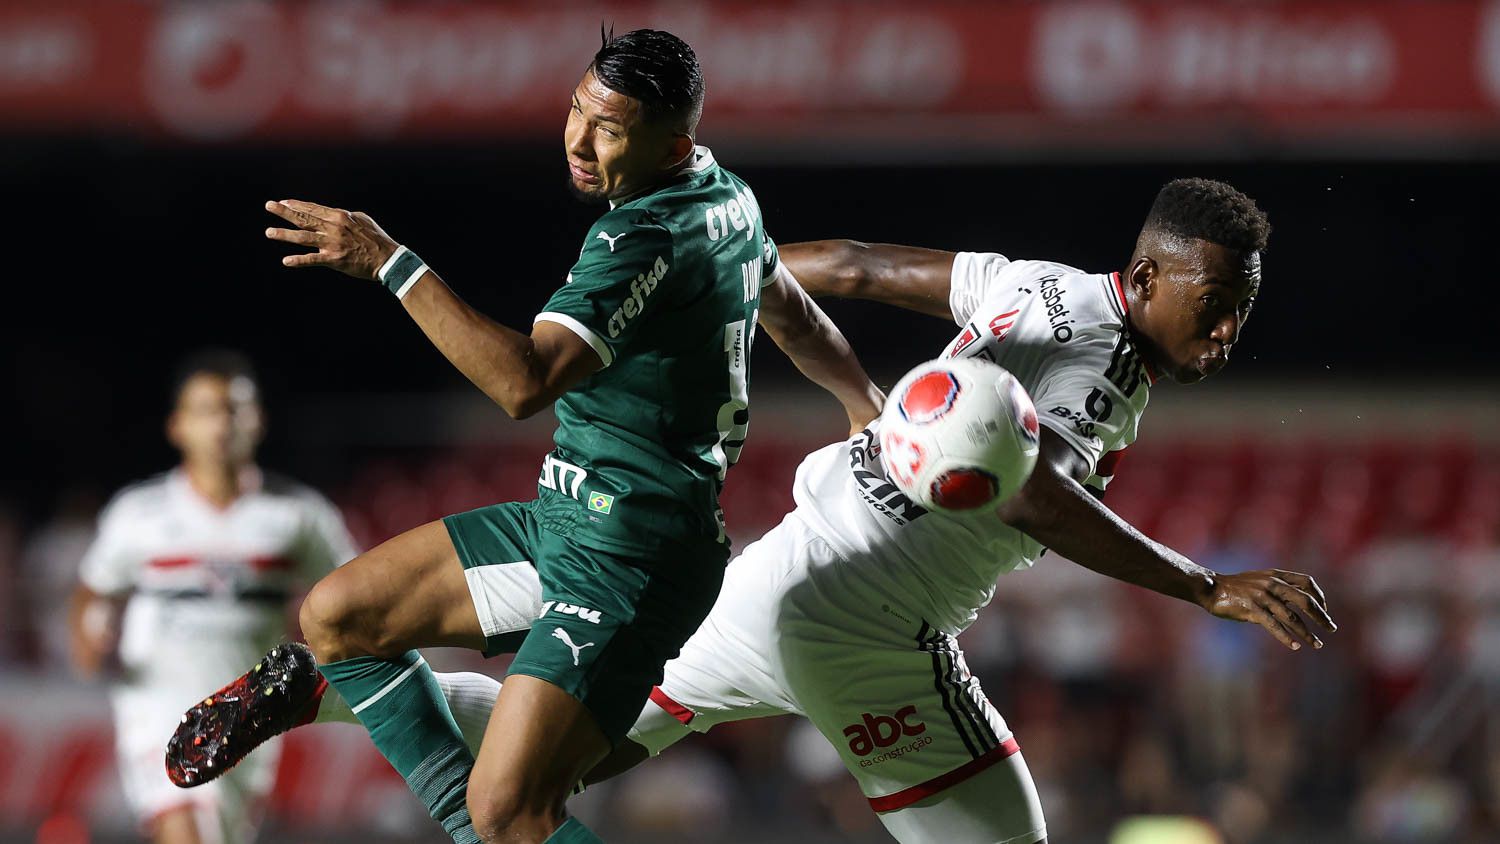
(600, 503)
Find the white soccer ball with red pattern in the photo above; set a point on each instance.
(958, 435)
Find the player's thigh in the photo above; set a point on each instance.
(725, 671)
(903, 715)
(542, 741)
(999, 805)
(407, 592)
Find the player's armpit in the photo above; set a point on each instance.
(1056, 510)
(800, 329)
(905, 276)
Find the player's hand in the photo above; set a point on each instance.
(349, 242)
(1273, 598)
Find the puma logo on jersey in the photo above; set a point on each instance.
(591, 616)
(635, 303)
(610, 240)
(562, 636)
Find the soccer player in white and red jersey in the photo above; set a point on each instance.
(191, 572)
(847, 612)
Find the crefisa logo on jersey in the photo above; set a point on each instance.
(877, 732)
(643, 286)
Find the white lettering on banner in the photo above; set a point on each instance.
(191, 43)
(561, 476)
(60, 757)
(1489, 52)
(44, 53)
(1087, 58)
(379, 65)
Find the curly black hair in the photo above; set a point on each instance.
(656, 68)
(224, 363)
(1211, 211)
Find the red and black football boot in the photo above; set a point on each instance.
(282, 691)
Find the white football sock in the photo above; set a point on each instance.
(470, 697)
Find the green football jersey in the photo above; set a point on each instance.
(667, 291)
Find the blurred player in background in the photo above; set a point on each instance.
(848, 611)
(191, 571)
(645, 351)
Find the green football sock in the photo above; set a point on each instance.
(573, 832)
(400, 703)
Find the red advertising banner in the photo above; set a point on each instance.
(836, 75)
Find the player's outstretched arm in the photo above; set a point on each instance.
(92, 627)
(1056, 510)
(905, 276)
(521, 373)
(815, 344)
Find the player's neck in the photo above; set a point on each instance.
(220, 484)
(1148, 351)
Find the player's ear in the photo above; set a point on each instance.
(1143, 277)
(169, 428)
(680, 148)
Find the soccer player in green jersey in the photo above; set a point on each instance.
(645, 352)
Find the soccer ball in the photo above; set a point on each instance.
(958, 435)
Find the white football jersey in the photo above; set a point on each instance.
(208, 587)
(1062, 333)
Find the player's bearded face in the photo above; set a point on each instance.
(1202, 295)
(217, 420)
(610, 152)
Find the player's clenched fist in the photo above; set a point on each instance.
(347, 241)
(1273, 598)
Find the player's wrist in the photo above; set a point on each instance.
(401, 271)
(1205, 589)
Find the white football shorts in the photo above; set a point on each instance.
(799, 630)
(228, 809)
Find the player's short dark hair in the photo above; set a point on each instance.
(224, 363)
(656, 68)
(1211, 211)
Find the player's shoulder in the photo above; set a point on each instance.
(145, 496)
(285, 489)
(626, 231)
(1067, 302)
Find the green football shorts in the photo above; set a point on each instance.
(607, 624)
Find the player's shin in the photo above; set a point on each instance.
(470, 698)
(401, 703)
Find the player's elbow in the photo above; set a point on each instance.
(1033, 510)
(521, 406)
(525, 400)
(852, 276)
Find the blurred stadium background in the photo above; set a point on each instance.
(1356, 437)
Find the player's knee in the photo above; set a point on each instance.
(502, 813)
(330, 619)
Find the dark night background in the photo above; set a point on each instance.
(129, 255)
